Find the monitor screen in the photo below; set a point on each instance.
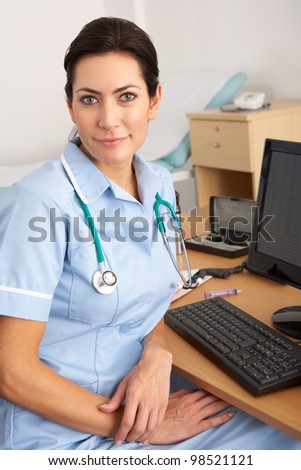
(275, 249)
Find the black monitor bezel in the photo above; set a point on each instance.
(258, 262)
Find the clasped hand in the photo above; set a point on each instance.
(146, 393)
(153, 416)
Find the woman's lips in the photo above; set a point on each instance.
(111, 142)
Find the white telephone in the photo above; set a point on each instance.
(249, 100)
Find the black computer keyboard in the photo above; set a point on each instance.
(256, 356)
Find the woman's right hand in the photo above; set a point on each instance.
(189, 413)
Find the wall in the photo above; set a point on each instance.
(259, 37)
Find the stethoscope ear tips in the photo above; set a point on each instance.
(104, 282)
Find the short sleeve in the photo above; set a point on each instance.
(31, 253)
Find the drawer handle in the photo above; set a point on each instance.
(216, 145)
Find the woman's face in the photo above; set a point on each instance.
(111, 108)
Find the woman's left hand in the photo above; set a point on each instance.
(146, 393)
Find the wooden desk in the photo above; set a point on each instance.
(260, 297)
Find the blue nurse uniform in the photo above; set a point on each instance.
(48, 259)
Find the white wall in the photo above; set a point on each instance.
(259, 37)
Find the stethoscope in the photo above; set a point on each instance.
(105, 280)
(177, 228)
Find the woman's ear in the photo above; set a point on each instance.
(154, 103)
(70, 109)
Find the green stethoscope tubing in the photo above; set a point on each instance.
(161, 226)
(159, 218)
(99, 252)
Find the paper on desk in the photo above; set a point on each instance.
(179, 292)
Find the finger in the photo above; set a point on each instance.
(207, 399)
(192, 396)
(144, 425)
(115, 402)
(126, 424)
(179, 393)
(156, 418)
(155, 421)
(216, 420)
(153, 427)
(213, 408)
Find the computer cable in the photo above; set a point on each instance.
(222, 273)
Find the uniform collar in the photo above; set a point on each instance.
(90, 182)
(85, 177)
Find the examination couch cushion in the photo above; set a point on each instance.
(168, 141)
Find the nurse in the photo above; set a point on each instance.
(80, 369)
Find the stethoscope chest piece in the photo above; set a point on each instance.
(104, 281)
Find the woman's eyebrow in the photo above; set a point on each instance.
(88, 90)
(122, 88)
(96, 92)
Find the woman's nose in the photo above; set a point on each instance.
(109, 116)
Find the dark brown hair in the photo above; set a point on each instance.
(105, 35)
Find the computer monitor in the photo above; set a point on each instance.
(275, 249)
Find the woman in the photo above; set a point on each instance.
(82, 369)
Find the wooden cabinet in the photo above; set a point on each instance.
(227, 147)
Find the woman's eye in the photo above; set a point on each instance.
(128, 96)
(88, 100)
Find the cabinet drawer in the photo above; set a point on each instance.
(220, 144)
